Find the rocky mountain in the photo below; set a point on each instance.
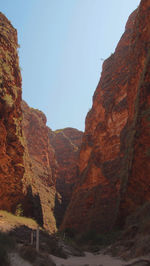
(11, 148)
(115, 152)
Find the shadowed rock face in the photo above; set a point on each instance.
(11, 149)
(115, 152)
(27, 162)
(50, 160)
(40, 168)
(66, 144)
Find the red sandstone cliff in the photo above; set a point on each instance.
(115, 153)
(66, 144)
(40, 168)
(11, 149)
(50, 168)
(27, 162)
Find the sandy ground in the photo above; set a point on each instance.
(89, 260)
(16, 260)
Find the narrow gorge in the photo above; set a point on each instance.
(70, 179)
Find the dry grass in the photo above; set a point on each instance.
(8, 221)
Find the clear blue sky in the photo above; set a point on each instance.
(61, 46)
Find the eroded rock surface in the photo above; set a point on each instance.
(40, 168)
(11, 148)
(66, 144)
(114, 157)
(51, 164)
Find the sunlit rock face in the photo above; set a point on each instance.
(66, 144)
(136, 185)
(40, 169)
(11, 148)
(115, 152)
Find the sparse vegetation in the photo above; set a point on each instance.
(69, 233)
(92, 238)
(6, 244)
(19, 210)
(58, 130)
(50, 245)
(13, 220)
(19, 232)
(8, 99)
(28, 253)
(134, 240)
(140, 218)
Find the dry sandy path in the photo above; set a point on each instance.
(89, 260)
(16, 260)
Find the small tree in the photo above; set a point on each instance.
(19, 210)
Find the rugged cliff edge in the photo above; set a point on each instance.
(11, 148)
(114, 158)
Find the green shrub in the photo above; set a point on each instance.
(19, 210)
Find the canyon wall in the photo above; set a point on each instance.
(40, 169)
(115, 152)
(11, 148)
(66, 144)
(50, 168)
(27, 163)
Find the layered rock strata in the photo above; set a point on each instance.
(114, 157)
(11, 148)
